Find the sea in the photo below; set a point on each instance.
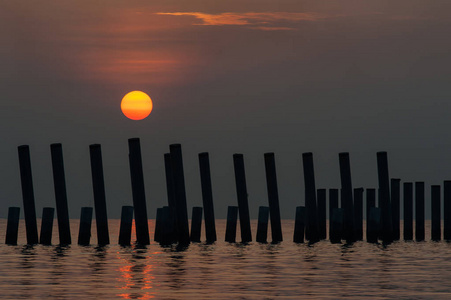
(401, 270)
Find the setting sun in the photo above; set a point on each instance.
(136, 105)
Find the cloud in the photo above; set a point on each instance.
(264, 21)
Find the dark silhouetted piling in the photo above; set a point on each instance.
(419, 211)
(321, 213)
(336, 232)
(299, 224)
(358, 214)
(12, 227)
(333, 203)
(98, 186)
(26, 180)
(374, 225)
(196, 224)
(170, 184)
(408, 210)
(207, 197)
(436, 234)
(347, 202)
(241, 192)
(138, 192)
(47, 225)
(167, 227)
(370, 202)
(125, 230)
(59, 179)
(262, 226)
(232, 217)
(158, 225)
(447, 210)
(273, 198)
(395, 198)
(180, 194)
(311, 228)
(384, 190)
(84, 233)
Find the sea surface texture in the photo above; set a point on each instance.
(402, 270)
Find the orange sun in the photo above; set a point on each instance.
(136, 105)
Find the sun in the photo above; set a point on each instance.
(136, 105)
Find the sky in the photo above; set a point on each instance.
(225, 77)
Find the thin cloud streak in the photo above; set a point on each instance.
(249, 18)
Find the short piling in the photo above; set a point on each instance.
(84, 233)
(138, 192)
(196, 224)
(333, 203)
(125, 230)
(358, 214)
(59, 179)
(384, 190)
(311, 228)
(447, 210)
(28, 195)
(241, 191)
(408, 210)
(321, 210)
(232, 217)
(262, 226)
(207, 197)
(180, 194)
(45, 237)
(419, 211)
(158, 225)
(395, 197)
(98, 187)
(12, 227)
(299, 224)
(374, 225)
(336, 233)
(167, 234)
(436, 234)
(273, 198)
(347, 202)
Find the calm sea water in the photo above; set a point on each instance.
(402, 270)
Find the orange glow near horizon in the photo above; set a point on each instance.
(136, 105)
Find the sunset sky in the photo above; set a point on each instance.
(225, 77)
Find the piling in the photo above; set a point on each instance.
(196, 224)
(273, 198)
(358, 214)
(262, 226)
(384, 204)
(98, 187)
(333, 203)
(436, 234)
(125, 230)
(47, 225)
(26, 180)
(232, 217)
(138, 192)
(311, 228)
(158, 225)
(84, 233)
(374, 225)
(395, 197)
(370, 202)
(336, 232)
(347, 202)
(419, 211)
(322, 227)
(180, 194)
(241, 191)
(408, 210)
(299, 224)
(59, 179)
(167, 228)
(447, 210)
(12, 227)
(207, 197)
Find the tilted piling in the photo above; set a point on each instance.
(158, 225)
(125, 230)
(45, 237)
(12, 227)
(196, 224)
(232, 218)
(241, 191)
(273, 198)
(207, 197)
(311, 228)
(262, 226)
(84, 233)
